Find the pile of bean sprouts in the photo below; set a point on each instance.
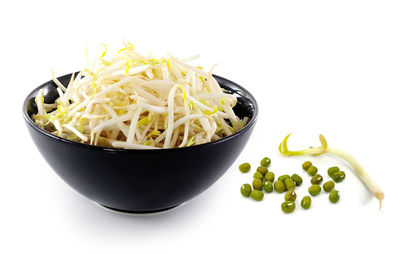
(135, 102)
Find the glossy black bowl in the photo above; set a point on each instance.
(140, 181)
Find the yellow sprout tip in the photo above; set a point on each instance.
(380, 197)
(283, 149)
(323, 141)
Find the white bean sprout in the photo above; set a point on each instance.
(135, 102)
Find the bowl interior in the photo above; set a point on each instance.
(246, 104)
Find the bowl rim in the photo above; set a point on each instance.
(248, 126)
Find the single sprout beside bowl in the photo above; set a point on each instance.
(136, 102)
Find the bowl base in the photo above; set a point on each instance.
(137, 212)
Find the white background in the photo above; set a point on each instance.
(330, 67)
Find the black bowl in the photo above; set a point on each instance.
(140, 181)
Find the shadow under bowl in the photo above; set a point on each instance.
(140, 181)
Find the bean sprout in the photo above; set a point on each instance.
(135, 102)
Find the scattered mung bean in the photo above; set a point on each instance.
(258, 175)
(289, 184)
(317, 179)
(257, 184)
(257, 195)
(245, 167)
(306, 202)
(290, 196)
(288, 206)
(306, 165)
(328, 186)
(279, 186)
(338, 176)
(334, 196)
(270, 176)
(297, 179)
(262, 170)
(268, 187)
(245, 189)
(312, 170)
(314, 190)
(265, 162)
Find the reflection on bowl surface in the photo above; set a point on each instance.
(140, 181)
